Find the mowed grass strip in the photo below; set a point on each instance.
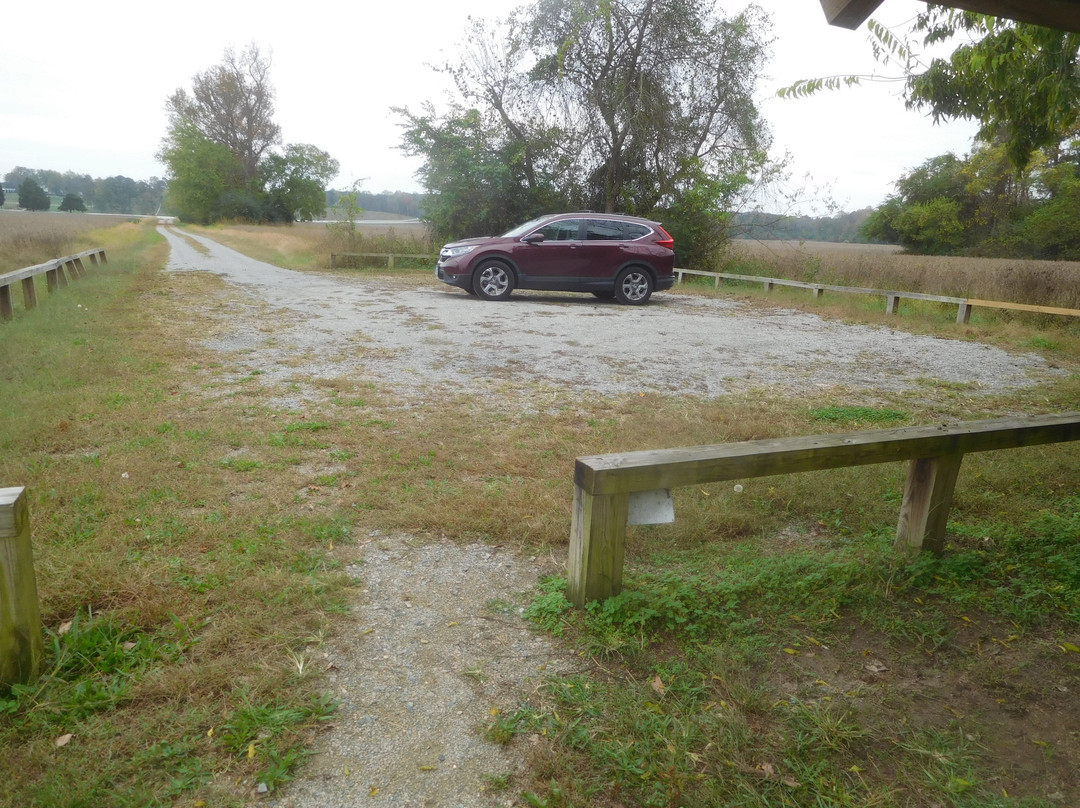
(770, 649)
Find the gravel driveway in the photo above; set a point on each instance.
(435, 642)
(414, 340)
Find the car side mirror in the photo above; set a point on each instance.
(533, 238)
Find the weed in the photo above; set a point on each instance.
(856, 415)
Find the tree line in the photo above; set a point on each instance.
(981, 204)
(117, 194)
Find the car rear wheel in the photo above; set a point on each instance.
(634, 286)
(493, 280)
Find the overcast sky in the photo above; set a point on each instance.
(83, 86)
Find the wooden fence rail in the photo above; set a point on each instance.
(342, 259)
(21, 647)
(892, 298)
(610, 489)
(54, 275)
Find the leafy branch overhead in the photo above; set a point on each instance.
(1019, 81)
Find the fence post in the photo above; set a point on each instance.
(21, 647)
(7, 311)
(924, 510)
(597, 539)
(29, 293)
(390, 261)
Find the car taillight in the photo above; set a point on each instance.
(667, 240)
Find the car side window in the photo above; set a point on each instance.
(636, 231)
(603, 230)
(563, 230)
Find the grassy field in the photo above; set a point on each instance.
(770, 648)
(1046, 283)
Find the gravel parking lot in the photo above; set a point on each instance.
(416, 340)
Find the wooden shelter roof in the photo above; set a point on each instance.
(1063, 14)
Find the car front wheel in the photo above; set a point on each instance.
(493, 280)
(634, 286)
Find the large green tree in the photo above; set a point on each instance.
(232, 104)
(32, 196)
(219, 150)
(72, 203)
(638, 106)
(296, 180)
(201, 174)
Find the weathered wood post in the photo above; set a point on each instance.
(7, 311)
(597, 539)
(924, 510)
(21, 648)
(29, 293)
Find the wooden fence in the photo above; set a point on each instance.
(892, 298)
(349, 259)
(21, 647)
(54, 272)
(612, 490)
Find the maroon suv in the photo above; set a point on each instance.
(621, 257)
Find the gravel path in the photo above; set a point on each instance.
(438, 651)
(437, 641)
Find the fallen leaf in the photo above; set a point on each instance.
(658, 685)
(210, 733)
(791, 651)
(790, 782)
(65, 627)
(62, 740)
(427, 768)
(1068, 647)
(251, 751)
(373, 791)
(875, 666)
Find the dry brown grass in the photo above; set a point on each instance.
(28, 238)
(1046, 283)
(308, 245)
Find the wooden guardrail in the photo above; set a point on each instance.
(892, 298)
(21, 648)
(610, 490)
(342, 259)
(54, 274)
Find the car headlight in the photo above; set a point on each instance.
(453, 252)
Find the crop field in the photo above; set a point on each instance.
(192, 529)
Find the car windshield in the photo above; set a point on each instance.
(522, 229)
